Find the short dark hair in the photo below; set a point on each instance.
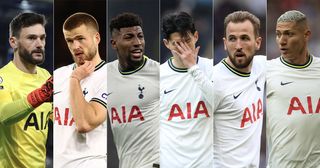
(180, 22)
(241, 16)
(25, 20)
(123, 20)
(79, 18)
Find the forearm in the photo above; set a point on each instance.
(203, 82)
(15, 111)
(83, 113)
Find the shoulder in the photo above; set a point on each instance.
(63, 69)
(316, 60)
(43, 72)
(5, 69)
(259, 59)
(152, 62)
(151, 65)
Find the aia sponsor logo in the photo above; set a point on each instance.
(128, 114)
(252, 113)
(176, 112)
(66, 121)
(297, 107)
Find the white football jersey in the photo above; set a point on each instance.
(293, 113)
(238, 114)
(186, 124)
(133, 107)
(73, 149)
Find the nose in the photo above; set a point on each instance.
(75, 45)
(40, 43)
(238, 45)
(282, 40)
(137, 41)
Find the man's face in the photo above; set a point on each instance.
(83, 43)
(129, 44)
(30, 44)
(175, 38)
(291, 39)
(241, 43)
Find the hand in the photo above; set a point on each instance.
(42, 94)
(83, 70)
(187, 55)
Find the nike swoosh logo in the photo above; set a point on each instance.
(285, 83)
(166, 92)
(109, 93)
(235, 97)
(56, 92)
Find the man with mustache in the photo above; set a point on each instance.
(133, 95)
(238, 93)
(80, 100)
(293, 96)
(24, 113)
(238, 86)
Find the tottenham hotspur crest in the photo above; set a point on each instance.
(141, 92)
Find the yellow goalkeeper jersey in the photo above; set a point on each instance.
(23, 142)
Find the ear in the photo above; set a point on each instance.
(97, 37)
(258, 42)
(166, 43)
(113, 43)
(13, 42)
(307, 35)
(224, 43)
(196, 35)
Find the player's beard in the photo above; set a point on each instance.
(134, 63)
(27, 56)
(238, 64)
(88, 57)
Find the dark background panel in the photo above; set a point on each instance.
(62, 10)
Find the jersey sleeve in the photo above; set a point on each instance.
(204, 83)
(101, 94)
(12, 111)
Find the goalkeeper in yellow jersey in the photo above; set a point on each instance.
(24, 90)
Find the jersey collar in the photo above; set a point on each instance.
(235, 71)
(181, 70)
(295, 65)
(145, 58)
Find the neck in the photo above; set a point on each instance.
(23, 65)
(176, 61)
(125, 66)
(298, 59)
(244, 70)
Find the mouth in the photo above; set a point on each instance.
(38, 52)
(283, 50)
(137, 53)
(78, 54)
(239, 54)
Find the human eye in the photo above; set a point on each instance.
(245, 38)
(232, 38)
(32, 37)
